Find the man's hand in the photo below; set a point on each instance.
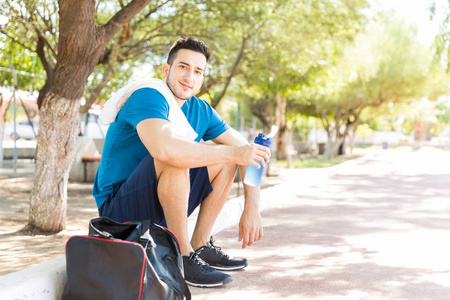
(250, 227)
(247, 154)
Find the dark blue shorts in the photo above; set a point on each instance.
(136, 198)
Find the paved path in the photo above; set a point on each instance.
(376, 230)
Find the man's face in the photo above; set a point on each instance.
(185, 76)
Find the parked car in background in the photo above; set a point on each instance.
(90, 124)
(24, 129)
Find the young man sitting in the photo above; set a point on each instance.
(149, 171)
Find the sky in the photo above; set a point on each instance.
(415, 12)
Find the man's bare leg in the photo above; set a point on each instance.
(173, 194)
(221, 178)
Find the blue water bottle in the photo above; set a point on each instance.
(253, 175)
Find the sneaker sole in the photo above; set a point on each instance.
(209, 285)
(228, 268)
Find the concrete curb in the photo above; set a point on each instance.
(40, 282)
(45, 281)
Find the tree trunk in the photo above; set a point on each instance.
(59, 128)
(281, 144)
(352, 140)
(79, 47)
(59, 116)
(2, 121)
(281, 123)
(352, 134)
(334, 140)
(332, 147)
(290, 139)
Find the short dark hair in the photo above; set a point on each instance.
(190, 43)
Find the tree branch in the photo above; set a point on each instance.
(41, 36)
(109, 73)
(48, 23)
(41, 54)
(123, 16)
(206, 87)
(139, 44)
(151, 11)
(216, 100)
(259, 109)
(14, 40)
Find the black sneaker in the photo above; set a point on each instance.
(220, 261)
(198, 273)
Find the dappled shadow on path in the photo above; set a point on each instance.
(356, 237)
(21, 248)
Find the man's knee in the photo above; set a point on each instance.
(225, 172)
(169, 171)
(230, 170)
(173, 184)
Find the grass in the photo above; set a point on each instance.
(317, 162)
(312, 162)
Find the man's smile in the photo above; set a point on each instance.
(186, 86)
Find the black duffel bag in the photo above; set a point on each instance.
(136, 260)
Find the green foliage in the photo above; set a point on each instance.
(289, 47)
(277, 56)
(25, 26)
(383, 67)
(441, 10)
(386, 64)
(13, 56)
(294, 48)
(443, 112)
(302, 127)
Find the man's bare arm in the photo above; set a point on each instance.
(163, 144)
(250, 224)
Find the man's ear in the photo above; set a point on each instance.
(165, 70)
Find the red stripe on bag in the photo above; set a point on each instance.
(170, 231)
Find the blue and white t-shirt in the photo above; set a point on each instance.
(123, 149)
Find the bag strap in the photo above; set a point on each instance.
(180, 284)
(146, 239)
(99, 233)
(173, 267)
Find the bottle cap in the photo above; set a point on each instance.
(261, 140)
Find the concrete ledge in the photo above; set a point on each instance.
(41, 282)
(25, 149)
(22, 153)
